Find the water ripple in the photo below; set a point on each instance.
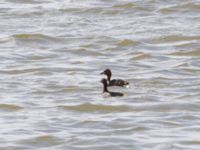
(10, 107)
(88, 107)
(41, 141)
(52, 53)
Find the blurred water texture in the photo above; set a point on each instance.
(52, 52)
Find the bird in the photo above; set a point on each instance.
(106, 92)
(114, 82)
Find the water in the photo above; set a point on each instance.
(52, 52)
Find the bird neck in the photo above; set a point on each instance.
(105, 89)
(109, 77)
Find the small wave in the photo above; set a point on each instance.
(31, 36)
(175, 38)
(141, 56)
(88, 107)
(37, 40)
(13, 147)
(183, 7)
(191, 142)
(41, 141)
(195, 52)
(6, 40)
(25, 2)
(10, 107)
(172, 107)
(21, 71)
(127, 42)
(124, 6)
(86, 52)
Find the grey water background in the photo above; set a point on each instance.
(51, 54)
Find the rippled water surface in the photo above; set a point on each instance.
(51, 56)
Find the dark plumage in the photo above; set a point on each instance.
(105, 89)
(114, 82)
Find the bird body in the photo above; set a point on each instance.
(108, 93)
(117, 82)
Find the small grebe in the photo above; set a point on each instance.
(114, 82)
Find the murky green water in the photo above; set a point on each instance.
(51, 54)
